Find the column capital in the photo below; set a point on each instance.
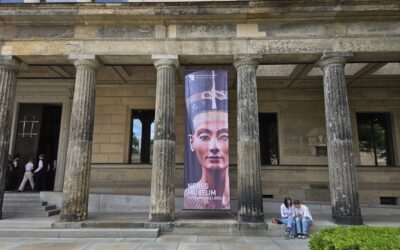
(168, 60)
(9, 62)
(330, 58)
(86, 60)
(251, 60)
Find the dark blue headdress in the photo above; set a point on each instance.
(206, 95)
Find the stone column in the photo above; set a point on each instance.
(75, 195)
(8, 81)
(162, 207)
(342, 172)
(250, 199)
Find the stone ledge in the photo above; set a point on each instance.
(162, 226)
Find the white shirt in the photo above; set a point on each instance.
(303, 211)
(40, 166)
(286, 212)
(28, 166)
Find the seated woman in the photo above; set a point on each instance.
(287, 216)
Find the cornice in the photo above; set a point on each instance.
(191, 12)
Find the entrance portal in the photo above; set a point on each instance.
(38, 130)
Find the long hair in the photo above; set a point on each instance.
(286, 202)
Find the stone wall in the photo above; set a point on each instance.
(301, 120)
(300, 182)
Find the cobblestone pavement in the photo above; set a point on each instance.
(165, 242)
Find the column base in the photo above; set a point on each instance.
(251, 218)
(72, 218)
(165, 222)
(67, 225)
(162, 217)
(164, 226)
(347, 220)
(253, 226)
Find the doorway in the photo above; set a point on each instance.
(38, 130)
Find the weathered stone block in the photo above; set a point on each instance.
(118, 138)
(125, 31)
(114, 109)
(116, 158)
(99, 158)
(118, 119)
(113, 129)
(101, 100)
(101, 138)
(102, 119)
(225, 30)
(111, 148)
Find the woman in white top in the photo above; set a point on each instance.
(287, 216)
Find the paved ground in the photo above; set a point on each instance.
(165, 242)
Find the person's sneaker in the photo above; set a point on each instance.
(299, 236)
(304, 236)
(291, 236)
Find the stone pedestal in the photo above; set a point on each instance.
(8, 82)
(342, 172)
(249, 163)
(162, 206)
(77, 174)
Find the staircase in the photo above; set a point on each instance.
(27, 205)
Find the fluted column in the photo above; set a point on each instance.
(249, 163)
(342, 172)
(162, 207)
(8, 82)
(75, 195)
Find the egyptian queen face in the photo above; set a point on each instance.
(210, 139)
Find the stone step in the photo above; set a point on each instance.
(110, 224)
(22, 200)
(21, 195)
(207, 223)
(221, 227)
(279, 230)
(27, 209)
(79, 233)
(23, 223)
(32, 213)
(25, 204)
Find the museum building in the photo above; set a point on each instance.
(99, 88)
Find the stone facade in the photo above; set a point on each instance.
(126, 36)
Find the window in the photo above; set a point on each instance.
(142, 136)
(374, 138)
(268, 139)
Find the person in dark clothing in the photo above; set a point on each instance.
(40, 173)
(13, 173)
(8, 168)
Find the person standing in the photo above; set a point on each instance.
(9, 170)
(27, 176)
(303, 219)
(40, 173)
(14, 173)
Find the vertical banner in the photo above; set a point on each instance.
(206, 141)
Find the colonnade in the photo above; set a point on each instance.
(342, 175)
